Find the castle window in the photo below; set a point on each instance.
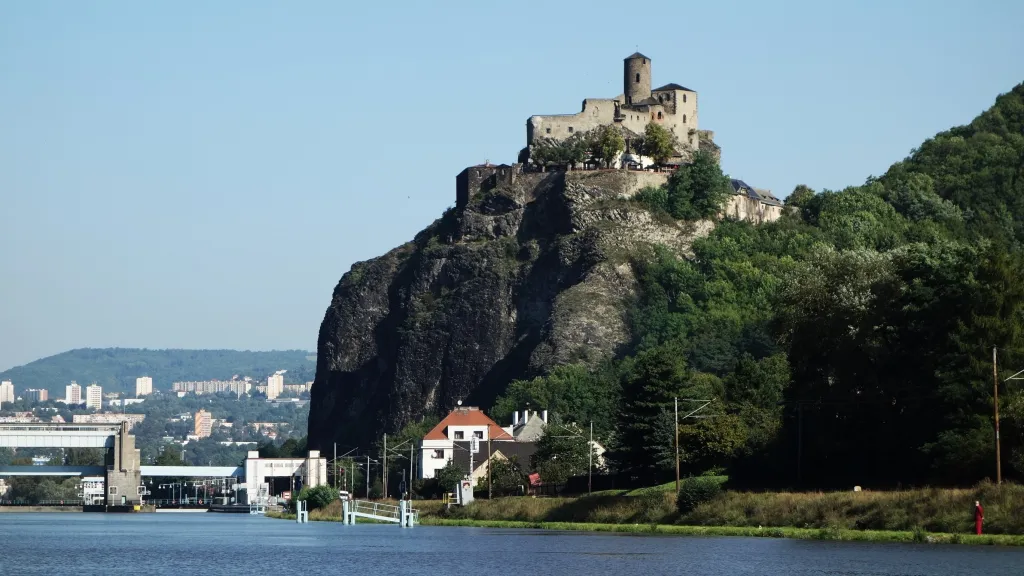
(684, 118)
(668, 97)
(570, 129)
(684, 98)
(548, 131)
(659, 115)
(637, 77)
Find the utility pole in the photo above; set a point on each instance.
(489, 490)
(367, 476)
(384, 469)
(335, 461)
(995, 390)
(590, 465)
(799, 443)
(676, 436)
(411, 446)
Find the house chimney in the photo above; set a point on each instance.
(544, 416)
(515, 418)
(526, 416)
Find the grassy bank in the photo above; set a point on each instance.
(926, 515)
(931, 510)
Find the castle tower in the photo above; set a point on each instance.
(636, 80)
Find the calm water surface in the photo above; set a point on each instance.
(184, 544)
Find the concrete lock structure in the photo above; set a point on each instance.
(309, 472)
(123, 471)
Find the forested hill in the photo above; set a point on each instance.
(849, 343)
(117, 368)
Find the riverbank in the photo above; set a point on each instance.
(919, 536)
(924, 515)
(24, 509)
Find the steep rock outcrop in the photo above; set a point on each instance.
(533, 272)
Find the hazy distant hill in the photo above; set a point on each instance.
(117, 368)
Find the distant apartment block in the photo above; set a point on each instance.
(143, 386)
(298, 388)
(73, 393)
(204, 424)
(109, 418)
(37, 395)
(94, 396)
(275, 385)
(6, 391)
(236, 387)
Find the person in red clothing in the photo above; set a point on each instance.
(979, 517)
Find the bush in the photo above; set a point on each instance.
(695, 491)
(316, 498)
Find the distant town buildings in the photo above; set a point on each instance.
(204, 424)
(6, 391)
(143, 386)
(37, 395)
(20, 418)
(118, 402)
(73, 393)
(109, 418)
(298, 388)
(236, 387)
(94, 396)
(275, 385)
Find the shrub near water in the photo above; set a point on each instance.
(696, 491)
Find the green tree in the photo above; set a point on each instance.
(449, 476)
(656, 379)
(698, 189)
(563, 451)
(317, 497)
(658, 143)
(506, 476)
(606, 142)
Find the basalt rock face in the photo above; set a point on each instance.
(532, 272)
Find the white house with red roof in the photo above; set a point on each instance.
(463, 424)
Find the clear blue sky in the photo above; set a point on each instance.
(200, 175)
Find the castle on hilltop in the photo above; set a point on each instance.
(672, 106)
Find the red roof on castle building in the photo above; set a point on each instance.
(467, 416)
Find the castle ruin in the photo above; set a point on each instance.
(672, 106)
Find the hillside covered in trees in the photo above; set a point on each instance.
(117, 368)
(849, 343)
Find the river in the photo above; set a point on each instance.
(213, 544)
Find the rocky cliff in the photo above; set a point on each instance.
(530, 271)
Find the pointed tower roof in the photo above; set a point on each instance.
(637, 56)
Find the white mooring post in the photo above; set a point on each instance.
(406, 515)
(301, 513)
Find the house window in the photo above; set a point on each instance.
(637, 77)
(113, 490)
(570, 129)
(478, 434)
(548, 130)
(438, 455)
(460, 435)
